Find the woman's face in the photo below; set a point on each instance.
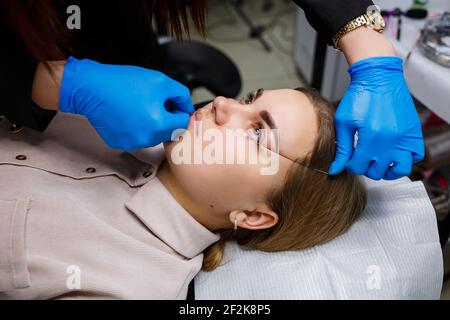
(235, 152)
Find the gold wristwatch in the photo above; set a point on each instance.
(371, 19)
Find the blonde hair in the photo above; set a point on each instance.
(313, 207)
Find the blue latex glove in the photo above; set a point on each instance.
(125, 104)
(380, 108)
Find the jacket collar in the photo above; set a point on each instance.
(169, 221)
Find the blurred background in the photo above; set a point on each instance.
(265, 62)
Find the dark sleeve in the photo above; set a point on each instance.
(17, 69)
(329, 16)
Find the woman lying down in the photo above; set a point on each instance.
(81, 221)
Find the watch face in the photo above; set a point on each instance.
(375, 18)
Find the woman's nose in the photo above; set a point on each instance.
(220, 110)
(224, 108)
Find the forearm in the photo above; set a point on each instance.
(327, 17)
(363, 43)
(47, 84)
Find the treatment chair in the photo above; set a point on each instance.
(199, 65)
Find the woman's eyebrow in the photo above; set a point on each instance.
(265, 115)
(258, 94)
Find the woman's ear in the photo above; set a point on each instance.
(263, 217)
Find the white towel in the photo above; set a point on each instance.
(391, 252)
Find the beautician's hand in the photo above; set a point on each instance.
(379, 106)
(125, 104)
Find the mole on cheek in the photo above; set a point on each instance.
(211, 206)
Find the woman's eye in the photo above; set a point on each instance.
(258, 132)
(250, 98)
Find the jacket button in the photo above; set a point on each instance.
(15, 129)
(148, 173)
(91, 170)
(21, 157)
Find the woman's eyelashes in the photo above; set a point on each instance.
(250, 98)
(257, 130)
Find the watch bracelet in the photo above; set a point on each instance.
(360, 21)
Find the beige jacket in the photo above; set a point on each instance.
(79, 220)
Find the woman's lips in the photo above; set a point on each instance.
(196, 116)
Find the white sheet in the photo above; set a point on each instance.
(392, 252)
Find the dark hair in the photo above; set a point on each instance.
(41, 30)
(312, 207)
